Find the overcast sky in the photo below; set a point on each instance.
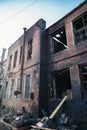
(17, 14)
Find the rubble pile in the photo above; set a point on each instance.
(20, 119)
(61, 122)
(54, 121)
(26, 120)
(10, 118)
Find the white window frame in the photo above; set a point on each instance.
(25, 86)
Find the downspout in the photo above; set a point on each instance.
(22, 59)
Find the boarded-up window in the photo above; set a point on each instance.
(80, 28)
(15, 59)
(27, 87)
(29, 51)
(10, 61)
(12, 88)
(18, 88)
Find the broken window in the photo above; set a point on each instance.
(12, 88)
(80, 28)
(18, 88)
(29, 52)
(15, 59)
(59, 41)
(10, 61)
(61, 84)
(27, 87)
(83, 72)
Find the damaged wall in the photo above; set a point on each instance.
(72, 58)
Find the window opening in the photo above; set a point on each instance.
(29, 52)
(18, 88)
(15, 59)
(80, 28)
(10, 61)
(83, 70)
(85, 19)
(27, 87)
(12, 87)
(61, 84)
(5, 90)
(59, 41)
(20, 54)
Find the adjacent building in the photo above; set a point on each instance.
(45, 64)
(24, 69)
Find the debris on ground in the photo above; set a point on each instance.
(16, 118)
(57, 123)
(19, 120)
(23, 119)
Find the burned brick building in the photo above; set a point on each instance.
(67, 62)
(45, 64)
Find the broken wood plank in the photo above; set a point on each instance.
(57, 108)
